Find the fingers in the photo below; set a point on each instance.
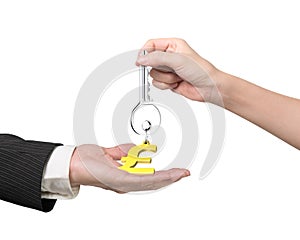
(163, 80)
(164, 86)
(118, 152)
(133, 182)
(164, 69)
(165, 77)
(116, 164)
(163, 44)
(157, 59)
(122, 181)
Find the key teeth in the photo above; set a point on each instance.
(148, 90)
(148, 96)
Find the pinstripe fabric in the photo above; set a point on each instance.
(21, 170)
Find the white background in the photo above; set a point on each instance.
(47, 50)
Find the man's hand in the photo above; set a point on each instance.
(176, 66)
(97, 166)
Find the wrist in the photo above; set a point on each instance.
(74, 169)
(232, 91)
(222, 81)
(219, 88)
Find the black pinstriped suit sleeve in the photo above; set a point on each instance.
(21, 170)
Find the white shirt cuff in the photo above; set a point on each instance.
(56, 183)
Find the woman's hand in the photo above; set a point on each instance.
(176, 66)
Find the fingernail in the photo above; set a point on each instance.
(174, 85)
(186, 173)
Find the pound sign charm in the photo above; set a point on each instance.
(133, 159)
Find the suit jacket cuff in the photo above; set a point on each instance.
(56, 182)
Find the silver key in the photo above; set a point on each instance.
(145, 117)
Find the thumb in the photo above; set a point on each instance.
(119, 151)
(158, 59)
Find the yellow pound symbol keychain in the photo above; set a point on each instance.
(133, 159)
